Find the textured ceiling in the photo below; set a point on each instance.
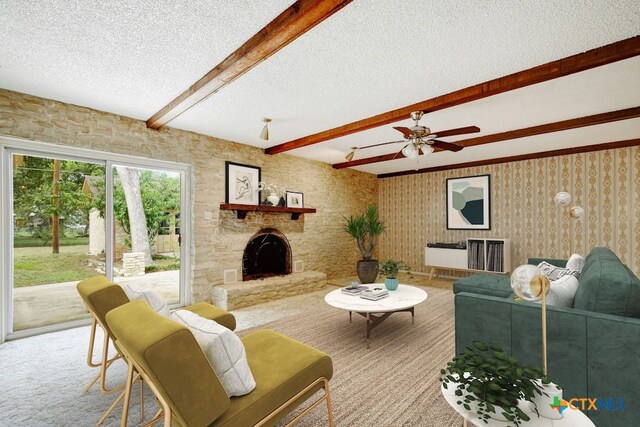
(131, 58)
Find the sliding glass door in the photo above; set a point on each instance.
(67, 217)
(53, 249)
(146, 231)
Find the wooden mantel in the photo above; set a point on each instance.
(241, 210)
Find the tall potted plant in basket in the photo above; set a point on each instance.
(366, 228)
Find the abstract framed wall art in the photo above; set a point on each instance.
(242, 184)
(469, 203)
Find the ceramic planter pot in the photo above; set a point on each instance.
(391, 283)
(367, 270)
(543, 402)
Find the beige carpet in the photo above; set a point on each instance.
(395, 383)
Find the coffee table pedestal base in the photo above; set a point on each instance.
(374, 320)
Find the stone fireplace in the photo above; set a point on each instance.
(267, 254)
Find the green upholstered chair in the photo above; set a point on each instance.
(100, 296)
(167, 356)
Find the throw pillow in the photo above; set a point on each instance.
(224, 351)
(554, 273)
(562, 291)
(575, 262)
(157, 303)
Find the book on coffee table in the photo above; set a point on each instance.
(354, 291)
(374, 294)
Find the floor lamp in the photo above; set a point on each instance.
(530, 284)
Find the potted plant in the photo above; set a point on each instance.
(389, 270)
(366, 228)
(483, 376)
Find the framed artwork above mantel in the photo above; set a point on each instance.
(469, 203)
(241, 183)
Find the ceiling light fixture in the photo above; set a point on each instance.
(413, 148)
(351, 153)
(265, 130)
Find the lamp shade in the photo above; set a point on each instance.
(528, 282)
(410, 151)
(265, 133)
(562, 198)
(577, 212)
(427, 149)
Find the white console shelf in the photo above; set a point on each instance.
(488, 255)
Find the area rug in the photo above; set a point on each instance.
(395, 383)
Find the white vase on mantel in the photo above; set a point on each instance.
(543, 402)
(273, 199)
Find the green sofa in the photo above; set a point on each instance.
(593, 347)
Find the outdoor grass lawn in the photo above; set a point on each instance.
(38, 266)
(25, 240)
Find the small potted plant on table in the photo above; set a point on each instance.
(389, 270)
(492, 382)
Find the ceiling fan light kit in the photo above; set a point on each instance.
(264, 134)
(420, 140)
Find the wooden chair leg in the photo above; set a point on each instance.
(106, 362)
(327, 396)
(127, 396)
(92, 340)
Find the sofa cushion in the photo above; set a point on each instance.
(562, 291)
(282, 367)
(607, 286)
(223, 349)
(575, 262)
(554, 273)
(485, 284)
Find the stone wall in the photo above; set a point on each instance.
(316, 239)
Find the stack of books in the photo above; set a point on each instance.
(374, 294)
(354, 291)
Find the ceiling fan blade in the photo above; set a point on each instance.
(458, 131)
(446, 145)
(405, 131)
(382, 143)
(397, 154)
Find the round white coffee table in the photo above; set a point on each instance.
(570, 417)
(405, 298)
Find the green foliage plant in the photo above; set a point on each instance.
(365, 228)
(391, 267)
(484, 375)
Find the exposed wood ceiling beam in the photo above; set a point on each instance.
(296, 20)
(596, 119)
(530, 156)
(573, 64)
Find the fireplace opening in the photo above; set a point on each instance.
(267, 254)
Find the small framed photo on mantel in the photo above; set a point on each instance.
(242, 184)
(294, 199)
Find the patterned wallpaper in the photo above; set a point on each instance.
(606, 183)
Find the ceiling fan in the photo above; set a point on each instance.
(420, 139)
